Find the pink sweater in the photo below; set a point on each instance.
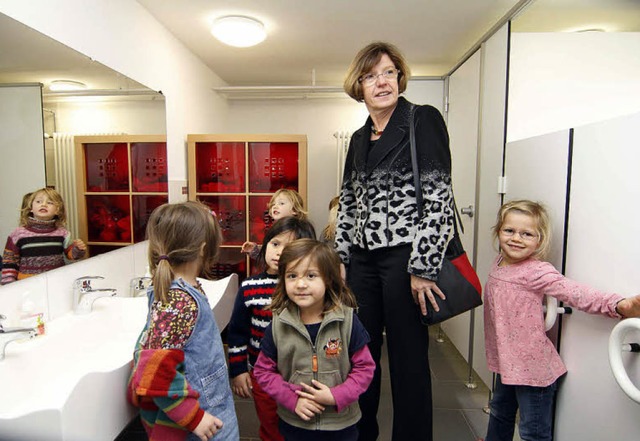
(516, 344)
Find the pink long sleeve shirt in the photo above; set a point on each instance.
(516, 343)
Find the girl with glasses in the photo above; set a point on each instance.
(517, 348)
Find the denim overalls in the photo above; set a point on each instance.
(206, 368)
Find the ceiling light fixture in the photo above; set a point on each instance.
(238, 31)
(66, 85)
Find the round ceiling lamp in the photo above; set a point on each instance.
(238, 31)
(66, 86)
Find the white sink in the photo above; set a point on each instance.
(69, 384)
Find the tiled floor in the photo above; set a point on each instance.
(458, 411)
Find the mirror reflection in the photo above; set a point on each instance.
(38, 124)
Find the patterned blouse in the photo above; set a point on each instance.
(172, 322)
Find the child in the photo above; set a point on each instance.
(517, 348)
(41, 242)
(251, 316)
(314, 361)
(284, 203)
(329, 232)
(179, 378)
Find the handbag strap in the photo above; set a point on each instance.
(416, 174)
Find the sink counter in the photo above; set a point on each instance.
(69, 384)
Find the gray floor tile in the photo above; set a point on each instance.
(451, 425)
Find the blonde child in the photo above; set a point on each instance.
(518, 351)
(179, 379)
(329, 232)
(284, 203)
(314, 359)
(41, 242)
(250, 317)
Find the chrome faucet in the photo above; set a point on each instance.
(139, 286)
(84, 294)
(7, 335)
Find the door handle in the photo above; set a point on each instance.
(469, 211)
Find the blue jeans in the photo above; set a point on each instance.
(536, 412)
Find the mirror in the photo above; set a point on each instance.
(111, 104)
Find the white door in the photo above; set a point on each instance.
(462, 123)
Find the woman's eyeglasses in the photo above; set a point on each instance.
(370, 78)
(526, 236)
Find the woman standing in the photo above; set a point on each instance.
(392, 256)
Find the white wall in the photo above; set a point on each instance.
(318, 119)
(133, 117)
(22, 168)
(122, 35)
(564, 80)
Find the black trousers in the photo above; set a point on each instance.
(382, 287)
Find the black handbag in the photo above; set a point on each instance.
(457, 279)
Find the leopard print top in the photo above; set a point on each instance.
(377, 201)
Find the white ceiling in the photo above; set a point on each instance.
(306, 35)
(325, 35)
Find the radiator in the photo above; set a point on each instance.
(343, 138)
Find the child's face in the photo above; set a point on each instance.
(282, 207)
(274, 249)
(305, 286)
(518, 237)
(43, 208)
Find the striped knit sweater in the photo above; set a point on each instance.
(35, 248)
(248, 321)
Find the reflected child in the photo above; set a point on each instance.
(41, 242)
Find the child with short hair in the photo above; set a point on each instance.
(284, 203)
(314, 360)
(179, 379)
(41, 242)
(250, 317)
(517, 348)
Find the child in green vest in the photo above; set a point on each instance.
(314, 358)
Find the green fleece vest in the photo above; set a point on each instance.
(296, 354)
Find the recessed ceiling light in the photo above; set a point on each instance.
(238, 31)
(66, 85)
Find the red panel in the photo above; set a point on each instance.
(142, 208)
(220, 167)
(108, 218)
(149, 166)
(107, 167)
(230, 211)
(259, 219)
(273, 165)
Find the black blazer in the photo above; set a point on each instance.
(377, 199)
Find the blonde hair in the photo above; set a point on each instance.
(366, 59)
(176, 233)
(539, 214)
(53, 196)
(328, 263)
(329, 232)
(296, 202)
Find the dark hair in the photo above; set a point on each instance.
(176, 234)
(328, 263)
(300, 228)
(366, 59)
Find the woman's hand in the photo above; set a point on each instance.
(208, 427)
(319, 392)
(424, 287)
(241, 385)
(307, 409)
